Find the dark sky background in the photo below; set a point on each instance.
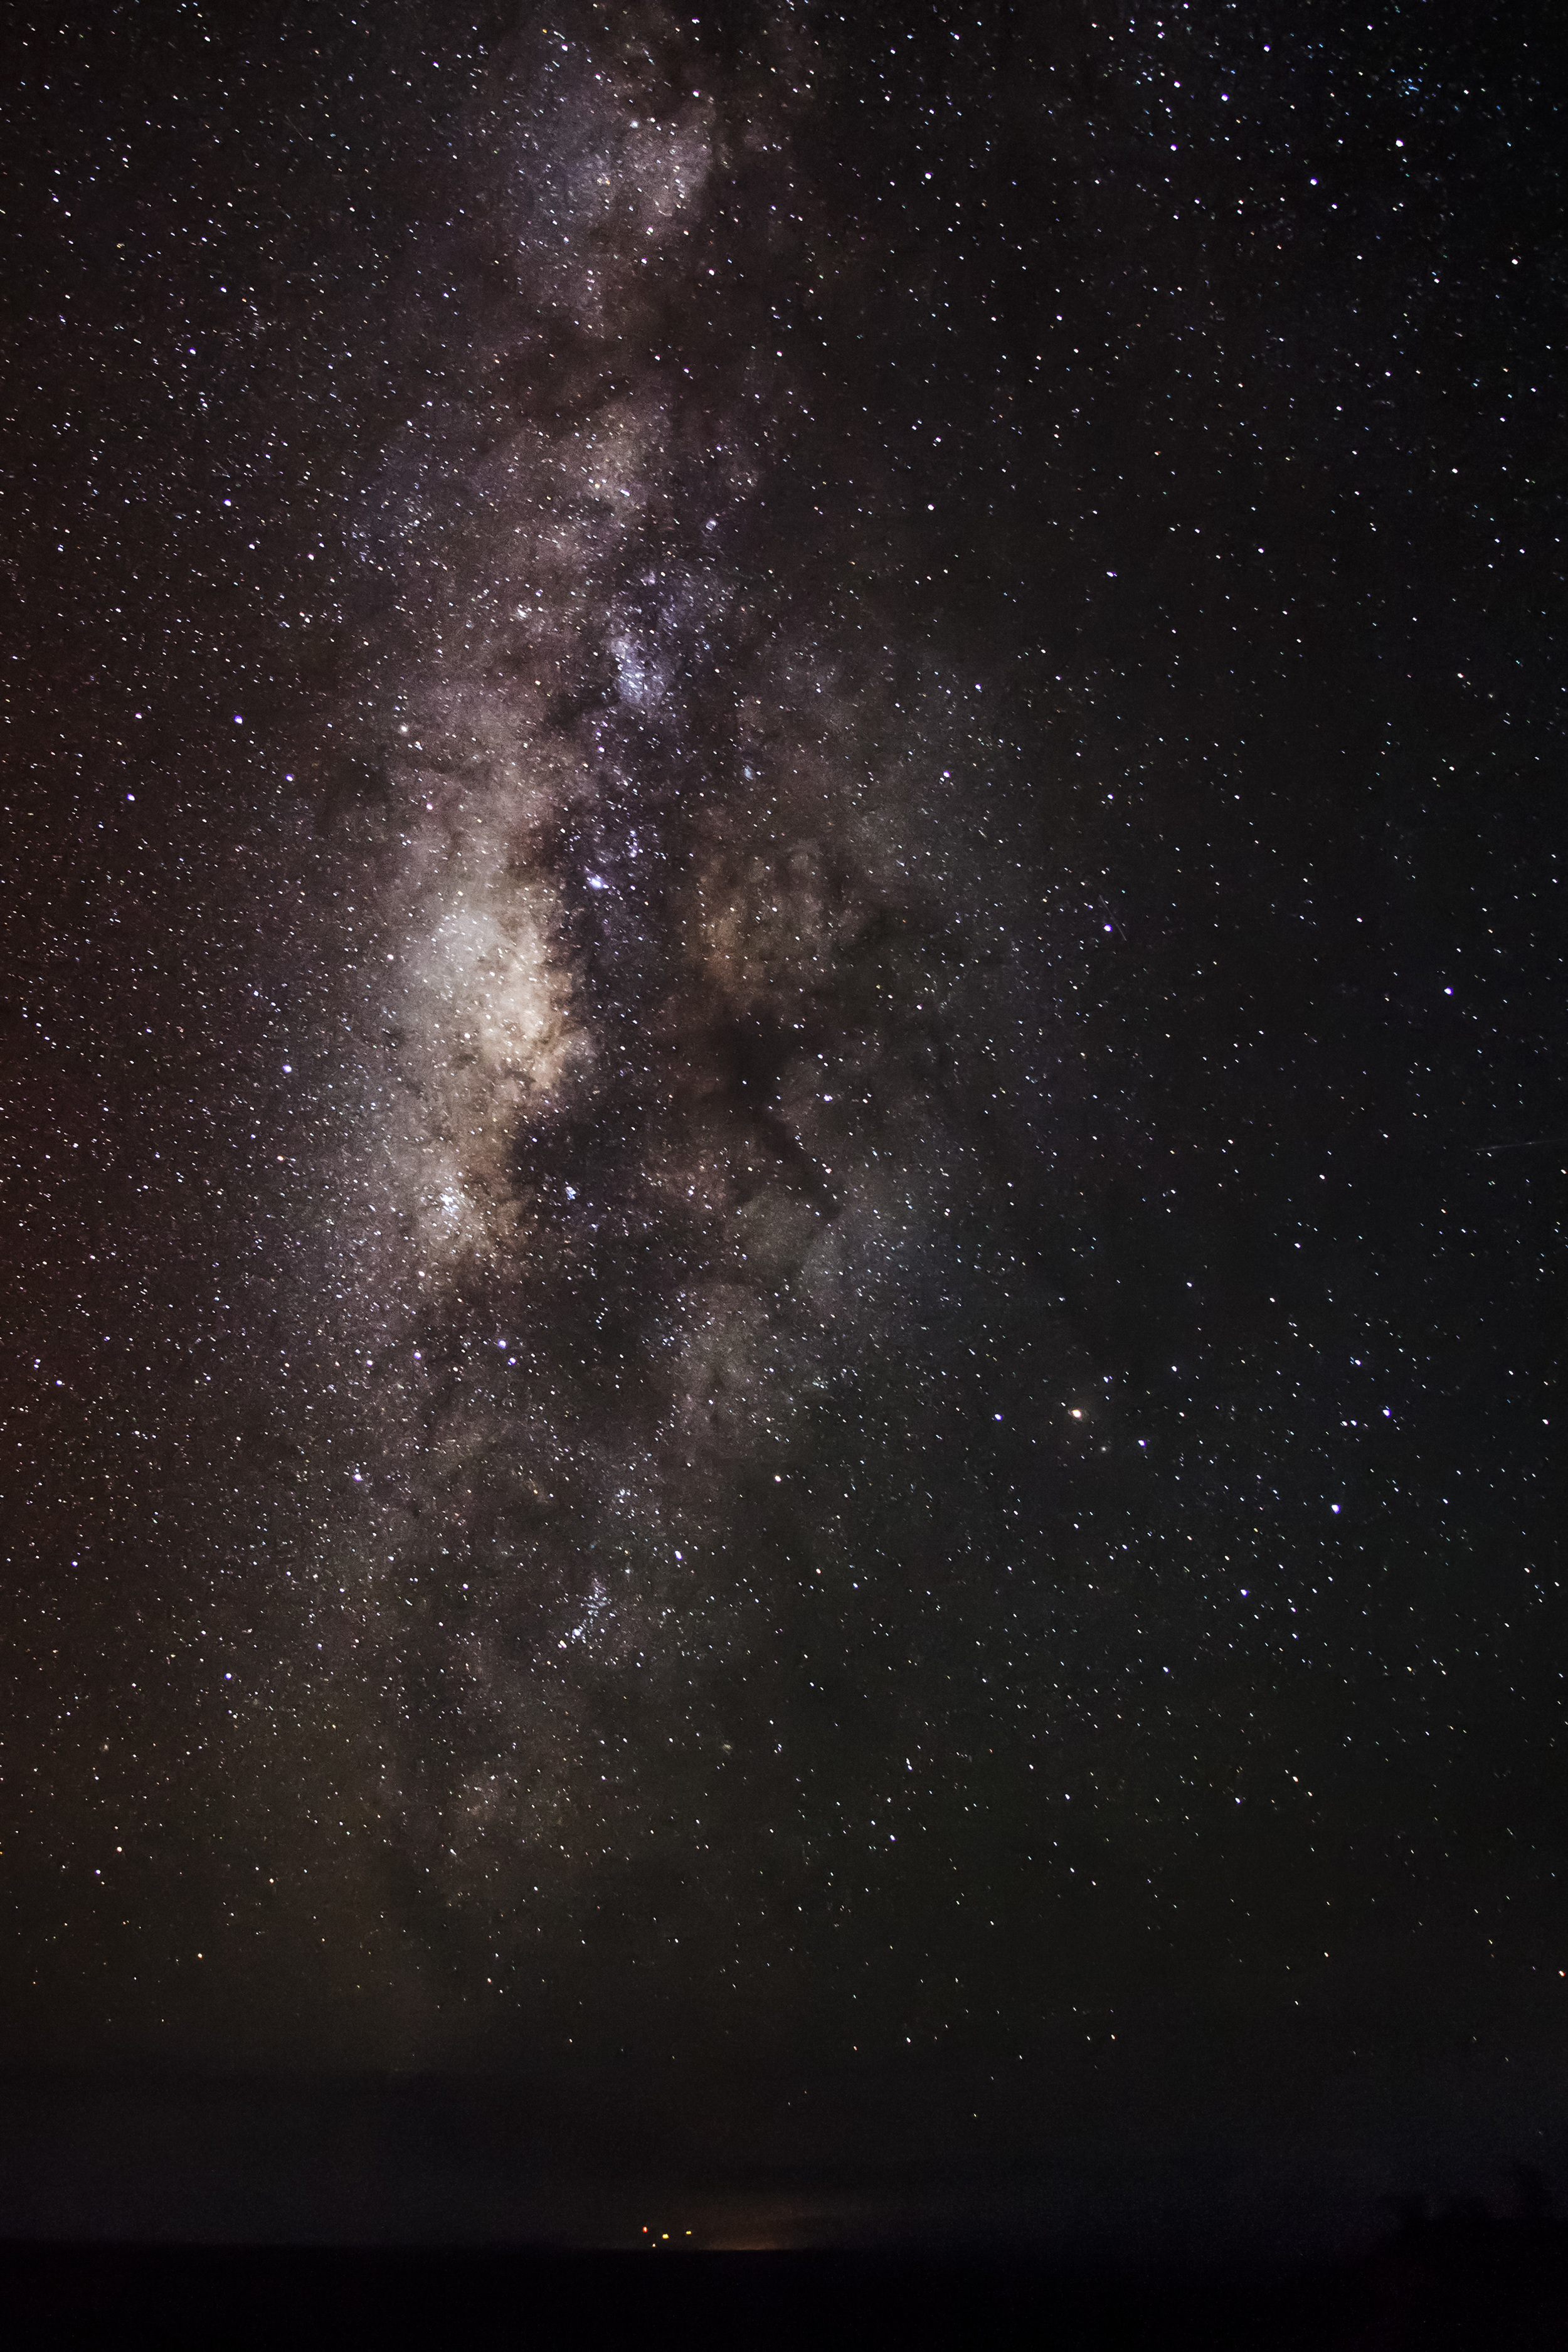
(785, 1136)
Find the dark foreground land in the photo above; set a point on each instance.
(1464, 2279)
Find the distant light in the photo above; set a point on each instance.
(238, 719)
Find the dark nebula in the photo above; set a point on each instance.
(784, 1023)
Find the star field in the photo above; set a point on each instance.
(784, 1012)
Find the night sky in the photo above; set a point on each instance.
(786, 1132)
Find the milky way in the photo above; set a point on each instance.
(691, 954)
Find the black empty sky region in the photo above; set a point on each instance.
(786, 1139)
